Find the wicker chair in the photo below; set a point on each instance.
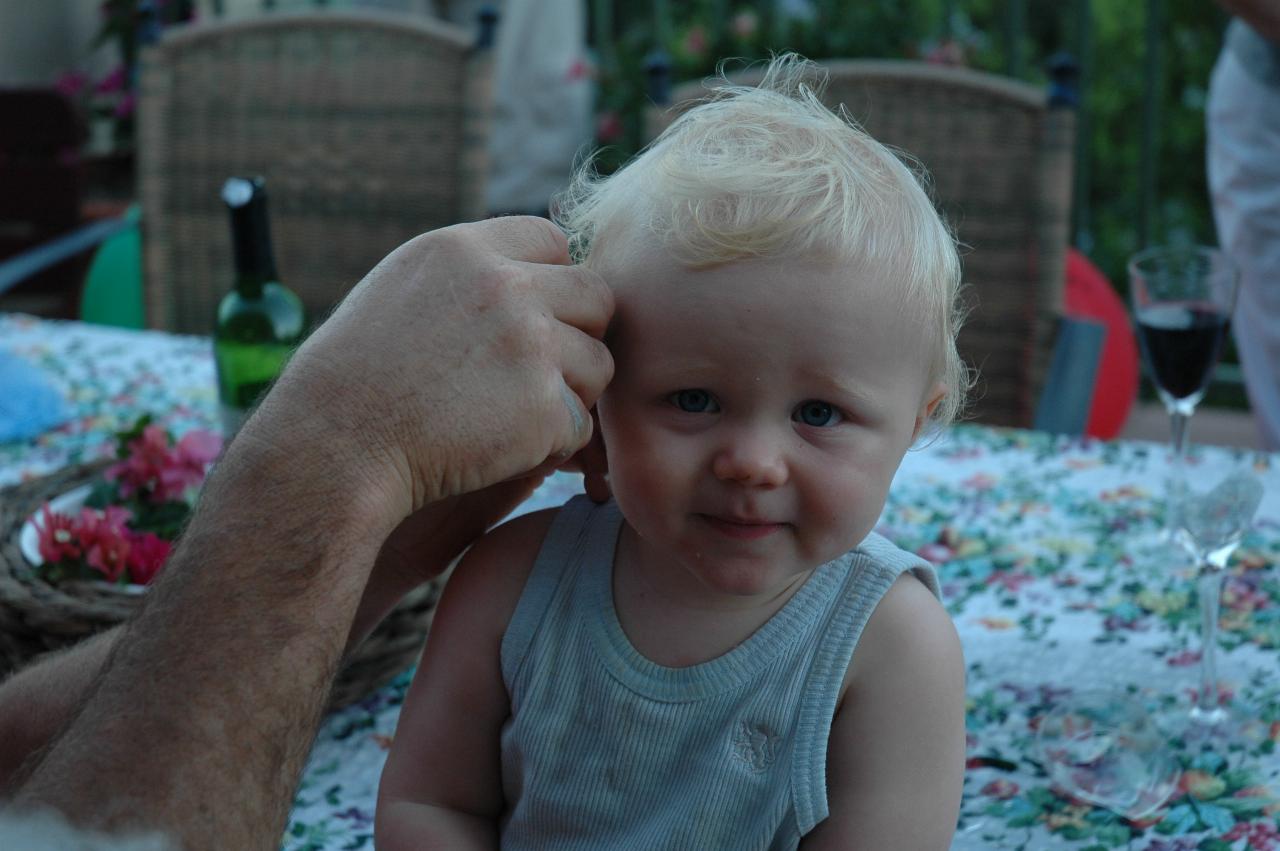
(369, 128)
(1001, 164)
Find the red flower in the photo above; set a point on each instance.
(105, 540)
(147, 554)
(57, 536)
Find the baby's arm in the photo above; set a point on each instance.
(895, 761)
(442, 784)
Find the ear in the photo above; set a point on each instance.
(936, 394)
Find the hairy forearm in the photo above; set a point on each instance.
(231, 656)
(37, 702)
(413, 826)
(1262, 15)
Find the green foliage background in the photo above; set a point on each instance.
(1116, 66)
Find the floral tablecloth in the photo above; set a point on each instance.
(1035, 540)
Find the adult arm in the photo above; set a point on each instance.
(1262, 15)
(38, 701)
(895, 760)
(468, 357)
(441, 787)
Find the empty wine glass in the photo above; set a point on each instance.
(1216, 512)
(1182, 299)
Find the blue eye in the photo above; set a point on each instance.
(694, 401)
(817, 414)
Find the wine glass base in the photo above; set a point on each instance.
(1101, 747)
(1229, 731)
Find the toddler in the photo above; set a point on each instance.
(725, 656)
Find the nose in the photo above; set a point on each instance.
(754, 458)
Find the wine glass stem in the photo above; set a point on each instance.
(1210, 600)
(1178, 421)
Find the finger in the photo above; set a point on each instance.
(527, 238)
(574, 433)
(587, 366)
(593, 461)
(575, 295)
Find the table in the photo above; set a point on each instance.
(1033, 537)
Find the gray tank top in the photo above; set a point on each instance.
(606, 750)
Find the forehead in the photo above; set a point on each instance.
(814, 304)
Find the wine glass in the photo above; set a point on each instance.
(1103, 746)
(1216, 512)
(1182, 298)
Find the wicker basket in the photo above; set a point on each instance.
(36, 617)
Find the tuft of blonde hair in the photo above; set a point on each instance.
(769, 171)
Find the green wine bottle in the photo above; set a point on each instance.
(260, 322)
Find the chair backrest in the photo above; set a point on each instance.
(1000, 160)
(370, 128)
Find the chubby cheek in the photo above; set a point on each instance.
(843, 507)
(643, 469)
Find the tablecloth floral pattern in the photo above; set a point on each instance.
(1035, 540)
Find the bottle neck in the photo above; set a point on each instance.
(251, 239)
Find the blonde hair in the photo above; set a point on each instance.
(771, 172)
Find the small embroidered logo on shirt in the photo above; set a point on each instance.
(756, 745)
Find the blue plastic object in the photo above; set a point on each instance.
(29, 403)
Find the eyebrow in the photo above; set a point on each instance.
(838, 387)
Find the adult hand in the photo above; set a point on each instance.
(502, 382)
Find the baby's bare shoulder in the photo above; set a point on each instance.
(909, 635)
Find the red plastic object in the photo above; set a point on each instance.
(1089, 295)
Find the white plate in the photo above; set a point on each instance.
(70, 504)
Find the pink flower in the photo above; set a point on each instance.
(105, 540)
(72, 83)
(113, 82)
(1001, 789)
(57, 536)
(608, 127)
(126, 105)
(162, 473)
(745, 24)
(695, 42)
(199, 447)
(147, 554)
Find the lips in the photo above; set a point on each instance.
(741, 528)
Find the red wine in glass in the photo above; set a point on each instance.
(1182, 298)
(1182, 342)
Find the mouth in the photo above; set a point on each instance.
(741, 529)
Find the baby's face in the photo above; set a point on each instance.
(757, 415)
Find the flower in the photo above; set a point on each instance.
(57, 536)
(105, 540)
(159, 472)
(1001, 789)
(147, 496)
(695, 42)
(147, 554)
(608, 127)
(745, 24)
